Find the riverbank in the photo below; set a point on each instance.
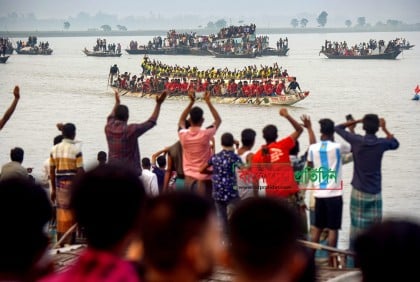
(284, 30)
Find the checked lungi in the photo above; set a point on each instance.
(365, 210)
(65, 216)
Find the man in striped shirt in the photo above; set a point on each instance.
(66, 161)
(324, 158)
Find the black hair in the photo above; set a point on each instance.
(161, 161)
(145, 162)
(69, 131)
(102, 156)
(248, 137)
(58, 139)
(121, 112)
(383, 251)
(227, 139)
(171, 221)
(327, 126)
(16, 154)
(107, 201)
(196, 115)
(24, 211)
(371, 123)
(270, 133)
(259, 242)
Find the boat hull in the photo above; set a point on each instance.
(384, 56)
(274, 52)
(170, 51)
(33, 51)
(4, 59)
(101, 54)
(280, 100)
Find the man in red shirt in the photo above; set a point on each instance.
(246, 89)
(279, 88)
(268, 88)
(272, 162)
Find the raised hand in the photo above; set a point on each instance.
(191, 95)
(160, 98)
(117, 97)
(207, 96)
(306, 121)
(284, 112)
(16, 92)
(382, 123)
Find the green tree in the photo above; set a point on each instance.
(303, 22)
(322, 18)
(361, 21)
(106, 27)
(210, 25)
(66, 25)
(348, 23)
(121, 27)
(221, 23)
(294, 22)
(394, 23)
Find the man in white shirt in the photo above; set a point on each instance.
(325, 160)
(148, 178)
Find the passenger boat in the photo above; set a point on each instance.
(278, 100)
(3, 59)
(101, 53)
(180, 50)
(382, 56)
(33, 51)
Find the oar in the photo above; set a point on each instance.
(317, 246)
(64, 237)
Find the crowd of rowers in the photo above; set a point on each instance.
(361, 49)
(155, 67)
(101, 46)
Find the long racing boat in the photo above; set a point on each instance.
(277, 100)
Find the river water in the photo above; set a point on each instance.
(70, 87)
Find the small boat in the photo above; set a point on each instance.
(34, 51)
(233, 55)
(278, 100)
(269, 51)
(3, 59)
(381, 56)
(101, 53)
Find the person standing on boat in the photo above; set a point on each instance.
(196, 145)
(113, 71)
(66, 161)
(368, 150)
(11, 109)
(293, 86)
(122, 138)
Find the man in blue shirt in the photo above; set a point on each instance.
(366, 198)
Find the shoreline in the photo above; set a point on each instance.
(284, 30)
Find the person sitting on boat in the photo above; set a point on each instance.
(279, 87)
(232, 88)
(246, 90)
(268, 88)
(293, 86)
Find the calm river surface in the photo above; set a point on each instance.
(70, 87)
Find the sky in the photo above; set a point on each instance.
(407, 11)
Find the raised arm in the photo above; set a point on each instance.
(157, 154)
(382, 124)
(168, 174)
(184, 115)
(308, 125)
(298, 128)
(159, 100)
(117, 102)
(11, 109)
(215, 114)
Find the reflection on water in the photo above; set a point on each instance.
(70, 87)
